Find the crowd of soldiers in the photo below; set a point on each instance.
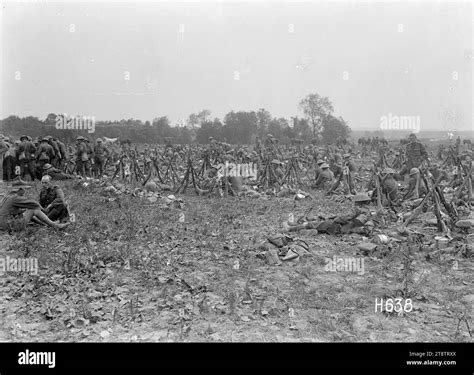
(329, 168)
(32, 159)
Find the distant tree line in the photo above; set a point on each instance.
(236, 128)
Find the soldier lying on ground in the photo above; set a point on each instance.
(16, 211)
(357, 221)
(54, 173)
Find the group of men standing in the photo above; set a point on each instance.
(26, 158)
(30, 160)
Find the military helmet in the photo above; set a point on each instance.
(325, 165)
(320, 162)
(414, 171)
(80, 138)
(388, 171)
(98, 140)
(361, 197)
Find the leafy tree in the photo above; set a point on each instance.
(334, 129)
(239, 127)
(263, 120)
(316, 109)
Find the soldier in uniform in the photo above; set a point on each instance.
(54, 173)
(389, 185)
(57, 153)
(52, 199)
(26, 157)
(416, 189)
(325, 178)
(81, 157)
(100, 153)
(415, 154)
(44, 154)
(348, 171)
(356, 221)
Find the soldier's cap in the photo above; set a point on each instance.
(269, 135)
(361, 197)
(325, 165)
(414, 171)
(23, 136)
(211, 138)
(47, 166)
(388, 171)
(45, 139)
(412, 135)
(98, 140)
(347, 155)
(319, 162)
(48, 137)
(80, 138)
(29, 138)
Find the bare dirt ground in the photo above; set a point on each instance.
(129, 270)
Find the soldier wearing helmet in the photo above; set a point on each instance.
(416, 188)
(348, 171)
(82, 165)
(26, 157)
(415, 154)
(44, 154)
(100, 154)
(389, 185)
(325, 178)
(357, 221)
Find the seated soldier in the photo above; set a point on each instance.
(416, 188)
(56, 174)
(16, 211)
(325, 178)
(52, 199)
(389, 185)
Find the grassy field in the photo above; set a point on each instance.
(131, 270)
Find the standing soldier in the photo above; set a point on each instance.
(9, 162)
(57, 154)
(27, 152)
(81, 157)
(100, 153)
(348, 174)
(415, 154)
(3, 149)
(90, 155)
(62, 151)
(44, 154)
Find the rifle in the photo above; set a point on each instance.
(417, 210)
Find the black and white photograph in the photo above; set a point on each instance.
(237, 172)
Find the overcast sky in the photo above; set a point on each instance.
(149, 59)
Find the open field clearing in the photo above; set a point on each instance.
(128, 270)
